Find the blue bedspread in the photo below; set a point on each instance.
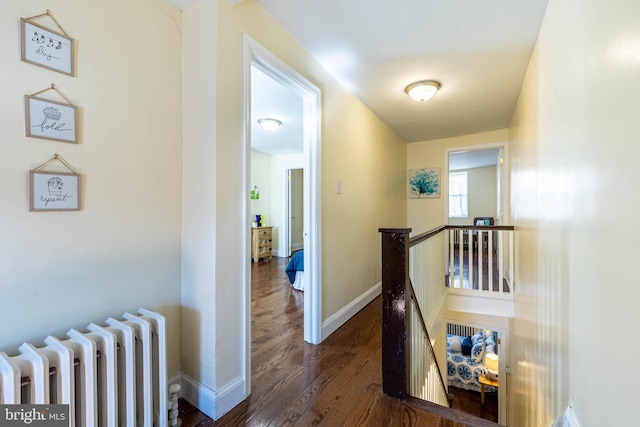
(295, 264)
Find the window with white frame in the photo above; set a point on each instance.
(458, 195)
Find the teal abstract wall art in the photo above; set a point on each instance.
(424, 183)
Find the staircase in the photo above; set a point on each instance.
(411, 366)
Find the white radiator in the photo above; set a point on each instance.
(112, 375)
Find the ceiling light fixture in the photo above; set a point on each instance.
(423, 90)
(269, 124)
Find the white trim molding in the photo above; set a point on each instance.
(260, 57)
(341, 317)
(211, 402)
(469, 301)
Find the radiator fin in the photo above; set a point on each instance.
(112, 375)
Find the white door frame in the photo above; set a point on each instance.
(257, 55)
(504, 184)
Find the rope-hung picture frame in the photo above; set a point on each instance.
(48, 119)
(54, 191)
(46, 47)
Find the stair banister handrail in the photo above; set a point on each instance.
(424, 329)
(395, 277)
(397, 291)
(426, 235)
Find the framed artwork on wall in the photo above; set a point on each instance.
(47, 48)
(54, 191)
(51, 120)
(424, 183)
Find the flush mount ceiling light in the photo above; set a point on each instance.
(269, 124)
(423, 90)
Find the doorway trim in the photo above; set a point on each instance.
(260, 57)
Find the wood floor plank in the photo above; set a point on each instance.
(337, 383)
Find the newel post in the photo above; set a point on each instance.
(395, 277)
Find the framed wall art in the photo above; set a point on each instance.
(54, 191)
(51, 119)
(424, 183)
(45, 47)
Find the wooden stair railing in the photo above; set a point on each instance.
(395, 277)
(433, 354)
(397, 293)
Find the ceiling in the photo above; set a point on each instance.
(270, 99)
(477, 50)
(473, 159)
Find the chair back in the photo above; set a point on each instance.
(483, 220)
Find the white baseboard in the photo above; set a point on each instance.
(284, 254)
(567, 418)
(230, 396)
(199, 395)
(279, 254)
(213, 403)
(340, 318)
(175, 379)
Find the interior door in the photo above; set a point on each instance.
(289, 214)
(499, 175)
(297, 209)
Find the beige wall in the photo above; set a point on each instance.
(268, 172)
(261, 177)
(65, 269)
(199, 232)
(574, 167)
(483, 190)
(357, 149)
(426, 214)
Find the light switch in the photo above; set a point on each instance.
(338, 187)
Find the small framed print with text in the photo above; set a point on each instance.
(54, 191)
(46, 48)
(51, 120)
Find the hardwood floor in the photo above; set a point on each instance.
(469, 401)
(337, 383)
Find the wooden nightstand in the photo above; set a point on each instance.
(261, 246)
(485, 381)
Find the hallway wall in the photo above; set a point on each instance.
(357, 149)
(60, 270)
(426, 214)
(574, 151)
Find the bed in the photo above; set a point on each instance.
(295, 270)
(464, 370)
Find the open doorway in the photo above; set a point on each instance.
(257, 57)
(476, 369)
(476, 184)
